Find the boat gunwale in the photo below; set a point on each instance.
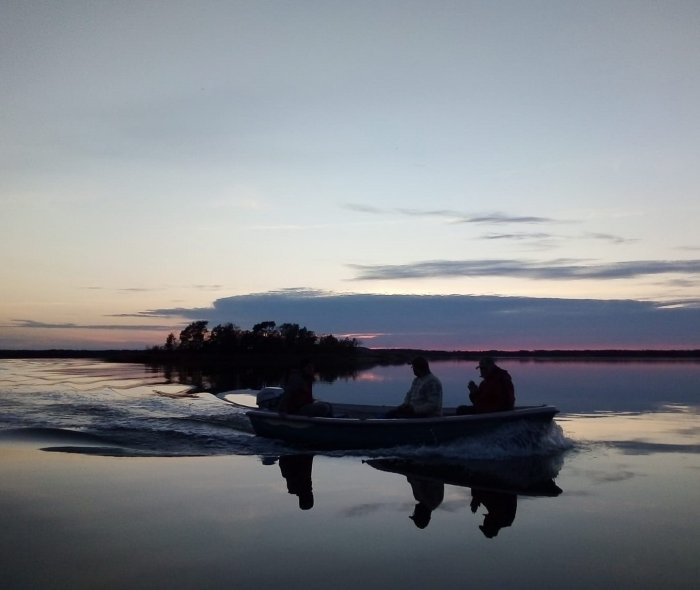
(543, 409)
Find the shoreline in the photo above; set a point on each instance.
(359, 355)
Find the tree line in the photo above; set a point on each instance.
(264, 337)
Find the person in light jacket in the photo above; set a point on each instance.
(424, 398)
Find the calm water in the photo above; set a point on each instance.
(112, 478)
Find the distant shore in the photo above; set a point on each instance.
(360, 355)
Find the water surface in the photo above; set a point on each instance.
(111, 477)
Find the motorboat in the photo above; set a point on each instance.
(357, 426)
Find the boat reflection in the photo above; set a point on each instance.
(494, 484)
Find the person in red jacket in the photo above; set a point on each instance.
(495, 393)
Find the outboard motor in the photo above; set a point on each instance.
(268, 398)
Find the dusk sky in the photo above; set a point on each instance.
(459, 175)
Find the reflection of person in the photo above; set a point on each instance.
(429, 495)
(296, 469)
(495, 393)
(298, 395)
(501, 508)
(424, 398)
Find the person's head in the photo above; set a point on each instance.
(421, 516)
(306, 366)
(486, 365)
(420, 366)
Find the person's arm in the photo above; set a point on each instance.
(473, 391)
(408, 398)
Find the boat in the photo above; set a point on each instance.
(356, 426)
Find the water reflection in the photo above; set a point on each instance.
(429, 494)
(217, 377)
(501, 507)
(296, 470)
(494, 485)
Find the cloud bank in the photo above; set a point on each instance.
(455, 322)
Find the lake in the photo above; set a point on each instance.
(112, 477)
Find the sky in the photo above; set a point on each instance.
(437, 174)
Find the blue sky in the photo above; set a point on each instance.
(249, 161)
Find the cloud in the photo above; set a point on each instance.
(496, 218)
(520, 236)
(558, 269)
(453, 322)
(613, 239)
(447, 213)
(451, 215)
(31, 324)
(146, 314)
(544, 241)
(364, 208)
(196, 287)
(499, 218)
(610, 238)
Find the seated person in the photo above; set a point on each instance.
(298, 395)
(424, 399)
(495, 393)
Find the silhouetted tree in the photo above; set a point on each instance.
(170, 342)
(265, 337)
(194, 336)
(225, 337)
(295, 336)
(264, 329)
(328, 341)
(289, 334)
(306, 338)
